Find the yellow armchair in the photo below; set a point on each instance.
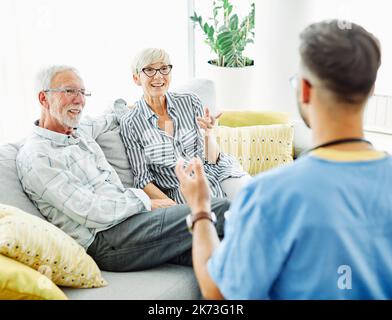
(260, 140)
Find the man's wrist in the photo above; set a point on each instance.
(192, 219)
(206, 208)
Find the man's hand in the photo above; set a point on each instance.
(205, 239)
(194, 188)
(208, 122)
(162, 203)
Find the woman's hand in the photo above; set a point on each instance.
(211, 147)
(194, 187)
(208, 121)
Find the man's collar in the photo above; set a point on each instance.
(58, 138)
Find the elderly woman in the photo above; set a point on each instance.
(163, 127)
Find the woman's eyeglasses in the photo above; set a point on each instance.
(164, 70)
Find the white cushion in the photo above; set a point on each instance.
(11, 191)
(114, 150)
(203, 88)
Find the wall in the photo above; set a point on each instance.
(96, 36)
(278, 24)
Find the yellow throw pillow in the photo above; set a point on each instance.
(20, 282)
(257, 148)
(247, 118)
(44, 247)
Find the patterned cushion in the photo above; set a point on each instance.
(44, 247)
(257, 148)
(18, 281)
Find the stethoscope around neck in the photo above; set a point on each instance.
(336, 142)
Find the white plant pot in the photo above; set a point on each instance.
(233, 86)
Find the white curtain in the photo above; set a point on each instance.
(97, 37)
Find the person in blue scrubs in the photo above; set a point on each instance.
(320, 228)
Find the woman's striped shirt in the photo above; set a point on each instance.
(153, 153)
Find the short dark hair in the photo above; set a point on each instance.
(344, 56)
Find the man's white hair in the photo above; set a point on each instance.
(149, 56)
(46, 75)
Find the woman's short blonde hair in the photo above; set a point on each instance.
(149, 56)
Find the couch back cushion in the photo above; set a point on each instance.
(203, 88)
(11, 191)
(114, 150)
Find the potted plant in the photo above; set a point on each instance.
(228, 37)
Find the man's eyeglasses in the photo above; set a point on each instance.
(164, 70)
(70, 92)
(294, 81)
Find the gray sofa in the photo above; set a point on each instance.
(167, 282)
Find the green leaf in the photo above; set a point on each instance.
(233, 24)
(230, 10)
(225, 50)
(222, 29)
(225, 35)
(211, 33)
(223, 44)
(206, 28)
(225, 47)
(195, 18)
(216, 11)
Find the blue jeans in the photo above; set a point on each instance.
(149, 239)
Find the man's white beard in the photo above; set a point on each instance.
(63, 117)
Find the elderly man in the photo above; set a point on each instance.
(322, 227)
(65, 173)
